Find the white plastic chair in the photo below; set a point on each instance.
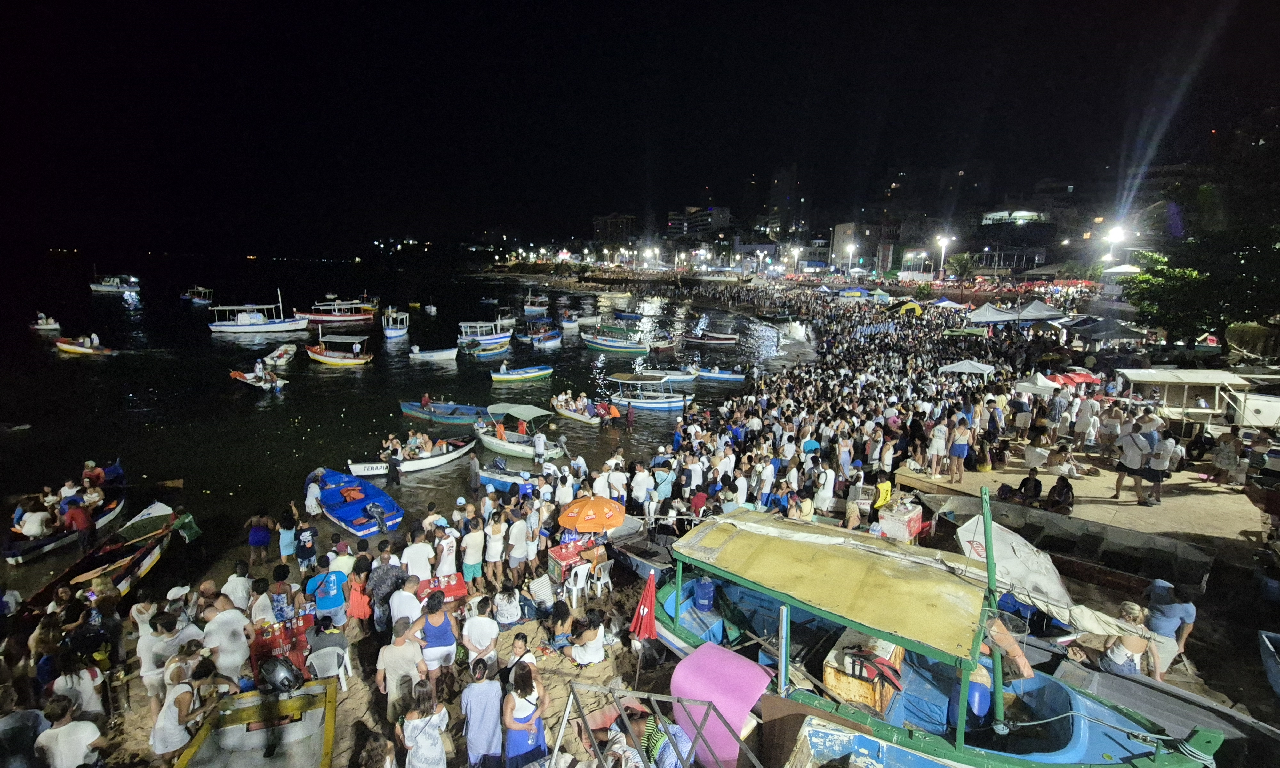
(600, 579)
(578, 582)
(330, 662)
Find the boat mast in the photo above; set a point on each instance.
(279, 303)
(992, 600)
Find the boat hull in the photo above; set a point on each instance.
(705, 373)
(269, 326)
(376, 468)
(487, 339)
(352, 516)
(253, 381)
(324, 317)
(72, 348)
(603, 344)
(437, 355)
(395, 333)
(495, 352)
(444, 413)
(672, 376)
(295, 729)
(46, 327)
(592, 420)
(522, 450)
(652, 404)
(329, 359)
(20, 552)
(711, 341)
(523, 374)
(283, 354)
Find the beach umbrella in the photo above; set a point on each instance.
(643, 625)
(592, 514)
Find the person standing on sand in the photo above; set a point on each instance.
(260, 527)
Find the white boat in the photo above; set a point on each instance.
(531, 373)
(516, 444)
(548, 340)
(395, 324)
(436, 355)
(322, 354)
(354, 311)
(43, 323)
(430, 309)
(283, 354)
(455, 449)
(588, 320)
(255, 318)
(268, 381)
(484, 332)
(672, 376)
(569, 325)
(647, 393)
(269, 728)
(197, 295)
(592, 420)
(716, 374)
(81, 346)
(115, 284)
(536, 305)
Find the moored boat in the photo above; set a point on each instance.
(116, 284)
(21, 549)
(487, 352)
(510, 442)
(647, 393)
(715, 374)
(621, 315)
(588, 320)
(81, 347)
(551, 340)
(435, 355)
(266, 381)
(337, 312)
(197, 295)
(44, 323)
(321, 353)
(585, 419)
(282, 355)
(605, 343)
(444, 413)
(395, 324)
(356, 505)
(711, 339)
(430, 309)
(531, 373)
(484, 333)
(255, 318)
(452, 451)
(536, 305)
(672, 376)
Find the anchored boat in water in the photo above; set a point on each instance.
(647, 393)
(444, 413)
(321, 353)
(354, 311)
(354, 504)
(255, 318)
(499, 440)
(446, 452)
(395, 324)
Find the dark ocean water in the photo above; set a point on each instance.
(168, 409)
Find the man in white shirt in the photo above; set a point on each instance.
(238, 586)
(418, 556)
(600, 485)
(446, 551)
(342, 559)
(69, 743)
(618, 484)
(1134, 451)
(641, 484)
(740, 486)
(68, 490)
(826, 486)
(480, 633)
(312, 504)
(539, 447)
(727, 463)
(404, 602)
(517, 545)
(230, 632)
(37, 524)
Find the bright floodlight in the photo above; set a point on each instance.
(1115, 235)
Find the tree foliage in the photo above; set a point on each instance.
(963, 266)
(922, 292)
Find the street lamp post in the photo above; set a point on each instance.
(1116, 235)
(943, 240)
(849, 249)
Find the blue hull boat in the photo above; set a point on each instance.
(627, 315)
(1269, 643)
(444, 413)
(356, 505)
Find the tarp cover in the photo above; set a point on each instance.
(877, 578)
(1017, 561)
(968, 366)
(525, 412)
(989, 314)
(1035, 384)
(1038, 310)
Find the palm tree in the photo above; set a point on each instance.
(964, 266)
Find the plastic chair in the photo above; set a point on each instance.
(577, 583)
(600, 579)
(330, 662)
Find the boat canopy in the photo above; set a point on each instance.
(242, 307)
(526, 412)
(346, 339)
(797, 563)
(637, 378)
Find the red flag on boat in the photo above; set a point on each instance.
(643, 626)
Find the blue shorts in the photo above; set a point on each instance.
(310, 562)
(959, 450)
(339, 614)
(472, 572)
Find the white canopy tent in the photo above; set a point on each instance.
(1035, 384)
(1038, 310)
(987, 314)
(968, 366)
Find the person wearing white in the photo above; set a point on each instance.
(404, 603)
(68, 743)
(1162, 458)
(312, 504)
(1133, 453)
(418, 556)
(446, 553)
(825, 497)
(617, 484)
(600, 486)
(641, 484)
(480, 633)
(230, 632)
(83, 687)
(239, 586)
(36, 524)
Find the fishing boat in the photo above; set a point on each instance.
(43, 323)
(366, 302)
(488, 300)
(549, 340)
(1269, 642)
(354, 311)
(588, 320)
(255, 318)
(197, 295)
(633, 316)
(116, 284)
(711, 339)
(444, 413)
(434, 355)
(585, 419)
(647, 393)
(487, 352)
(934, 694)
(356, 505)
(531, 373)
(516, 444)
(535, 328)
(81, 346)
(715, 374)
(610, 341)
(23, 550)
(395, 324)
(662, 345)
(452, 451)
(321, 353)
(568, 323)
(258, 728)
(484, 333)
(673, 376)
(282, 355)
(536, 305)
(266, 382)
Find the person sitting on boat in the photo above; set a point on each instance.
(660, 739)
(503, 367)
(1122, 654)
(36, 524)
(91, 496)
(93, 473)
(259, 368)
(584, 405)
(355, 349)
(479, 425)
(426, 400)
(413, 445)
(93, 340)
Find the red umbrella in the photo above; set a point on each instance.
(643, 626)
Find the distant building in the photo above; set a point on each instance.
(785, 211)
(616, 228)
(696, 222)
(1013, 217)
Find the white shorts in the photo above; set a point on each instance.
(438, 657)
(1022, 420)
(154, 685)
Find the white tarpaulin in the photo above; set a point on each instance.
(968, 366)
(989, 314)
(1035, 384)
(1017, 562)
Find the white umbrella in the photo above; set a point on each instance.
(1035, 384)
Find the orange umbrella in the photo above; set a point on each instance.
(592, 514)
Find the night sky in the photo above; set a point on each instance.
(292, 129)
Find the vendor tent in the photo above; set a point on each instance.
(1035, 384)
(968, 366)
(987, 314)
(1110, 330)
(881, 296)
(903, 307)
(947, 304)
(1037, 310)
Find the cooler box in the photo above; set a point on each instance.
(562, 560)
(453, 586)
(878, 694)
(902, 523)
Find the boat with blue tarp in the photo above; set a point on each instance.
(356, 505)
(444, 413)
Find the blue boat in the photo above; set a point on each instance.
(356, 505)
(1269, 642)
(444, 413)
(627, 315)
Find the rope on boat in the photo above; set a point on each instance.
(1181, 745)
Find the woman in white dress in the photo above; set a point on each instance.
(937, 448)
(182, 708)
(421, 730)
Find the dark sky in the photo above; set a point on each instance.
(229, 128)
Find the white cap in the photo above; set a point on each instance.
(177, 593)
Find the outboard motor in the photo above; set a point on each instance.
(375, 510)
(278, 675)
(499, 464)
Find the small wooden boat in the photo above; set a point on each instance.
(434, 355)
(115, 284)
(568, 414)
(522, 374)
(282, 355)
(395, 324)
(489, 352)
(627, 315)
(74, 347)
(337, 312)
(444, 413)
(322, 354)
(647, 393)
(716, 374)
(673, 376)
(711, 339)
(484, 333)
(550, 340)
(602, 343)
(255, 318)
(516, 444)
(536, 305)
(659, 346)
(23, 550)
(568, 325)
(296, 728)
(198, 296)
(43, 323)
(454, 450)
(1270, 646)
(356, 505)
(268, 381)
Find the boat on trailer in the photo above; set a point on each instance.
(255, 318)
(444, 413)
(484, 332)
(453, 450)
(258, 728)
(433, 355)
(516, 444)
(395, 324)
(354, 504)
(198, 296)
(322, 354)
(647, 393)
(354, 311)
(81, 347)
(531, 373)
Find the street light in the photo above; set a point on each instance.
(1116, 235)
(849, 249)
(796, 252)
(943, 240)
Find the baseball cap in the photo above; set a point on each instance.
(461, 501)
(342, 548)
(490, 489)
(177, 593)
